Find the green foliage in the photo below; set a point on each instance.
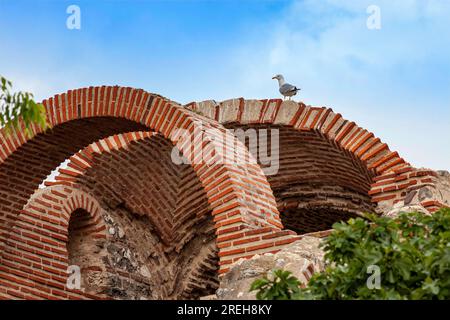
(412, 252)
(282, 286)
(19, 105)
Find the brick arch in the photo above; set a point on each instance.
(240, 195)
(363, 144)
(141, 176)
(317, 183)
(328, 165)
(161, 208)
(28, 165)
(35, 259)
(234, 238)
(243, 207)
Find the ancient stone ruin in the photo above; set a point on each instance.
(140, 225)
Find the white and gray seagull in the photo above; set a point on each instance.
(286, 89)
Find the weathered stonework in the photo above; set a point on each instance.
(302, 258)
(143, 227)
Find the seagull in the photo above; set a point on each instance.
(286, 89)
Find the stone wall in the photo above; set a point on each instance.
(303, 258)
(410, 186)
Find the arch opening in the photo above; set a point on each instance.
(161, 242)
(25, 169)
(83, 250)
(317, 182)
(224, 185)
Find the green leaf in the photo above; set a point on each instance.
(20, 108)
(412, 252)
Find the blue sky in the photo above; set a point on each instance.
(394, 81)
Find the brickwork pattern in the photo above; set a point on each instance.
(34, 257)
(123, 195)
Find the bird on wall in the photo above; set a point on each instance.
(286, 89)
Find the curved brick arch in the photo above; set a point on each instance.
(316, 182)
(363, 144)
(234, 239)
(250, 203)
(244, 208)
(328, 166)
(35, 260)
(151, 199)
(392, 178)
(220, 198)
(137, 163)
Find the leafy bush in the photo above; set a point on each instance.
(19, 105)
(282, 286)
(411, 251)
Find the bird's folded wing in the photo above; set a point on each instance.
(287, 88)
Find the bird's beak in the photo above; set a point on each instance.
(274, 77)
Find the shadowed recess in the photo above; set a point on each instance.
(318, 183)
